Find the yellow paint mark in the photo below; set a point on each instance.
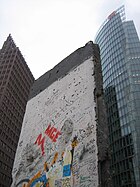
(39, 184)
(74, 143)
(46, 167)
(62, 155)
(34, 177)
(55, 158)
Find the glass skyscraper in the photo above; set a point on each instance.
(120, 57)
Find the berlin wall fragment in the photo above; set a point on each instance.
(63, 141)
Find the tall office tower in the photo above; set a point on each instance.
(15, 82)
(120, 58)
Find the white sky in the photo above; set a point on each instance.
(46, 31)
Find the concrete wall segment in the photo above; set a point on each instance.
(61, 69)
(59, 145)
(102, 127)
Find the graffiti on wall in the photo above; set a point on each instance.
(60, 167)
(64, 153)
(66, 166)
(51, 132)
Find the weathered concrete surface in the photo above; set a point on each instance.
(102, 128)
(64, 136)
(61, 69)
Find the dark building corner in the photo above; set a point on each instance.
(15, 82)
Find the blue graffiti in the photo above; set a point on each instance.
(67, 170)
(41, 179)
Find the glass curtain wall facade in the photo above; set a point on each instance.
(120, 57)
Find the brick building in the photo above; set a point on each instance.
(15, 82)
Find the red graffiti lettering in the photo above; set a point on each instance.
(52, 132)
(40, 141)
(56, 136)
(48, 131)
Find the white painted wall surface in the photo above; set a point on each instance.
(69, 158)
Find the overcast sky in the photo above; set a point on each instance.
(46, 31)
